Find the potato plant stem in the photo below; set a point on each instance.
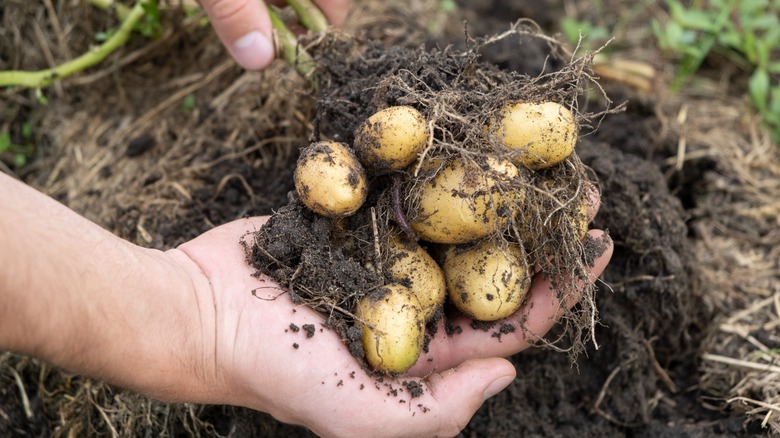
(287, 46)
(121, 10)
(310, 15)
(43, 78)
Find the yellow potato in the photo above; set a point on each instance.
(487, 282)
(543, 133)
(411, 265)
(393, 328)
(392, 138)
(462, 202)
(330, 180)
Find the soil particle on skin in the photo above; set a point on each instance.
(415, 389)
(294, 328)
(309, 329)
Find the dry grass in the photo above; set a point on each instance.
(737, 244)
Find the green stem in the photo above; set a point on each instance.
(121, 10)
(310, 15)
(43, 78)
(291, 51)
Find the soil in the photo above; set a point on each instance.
(643, 379)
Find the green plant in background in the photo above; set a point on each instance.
(593, 36)
(13, 153)
(747, 32)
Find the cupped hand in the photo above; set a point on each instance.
(244, 27)
(261, 356)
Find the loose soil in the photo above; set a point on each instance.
(233, 156)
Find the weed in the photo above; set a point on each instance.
(582, 32)
(17, 154)
(747, 32)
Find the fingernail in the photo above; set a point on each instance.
(253, 51)
(497, 386)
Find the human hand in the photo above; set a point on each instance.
(244, 27)
(257, 361)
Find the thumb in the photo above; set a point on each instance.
(244, 28)
(460, 391)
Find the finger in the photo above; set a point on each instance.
(538, 315)
(244, 28)
(459, 392)
(593, 203)
(443, 407)
(335, 10)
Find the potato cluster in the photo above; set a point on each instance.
(461, 206)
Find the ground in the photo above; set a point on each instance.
(159, 148)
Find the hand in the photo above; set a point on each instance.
(183, 325)
(258, 362)
(244, 28)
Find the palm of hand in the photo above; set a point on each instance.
(259, 362)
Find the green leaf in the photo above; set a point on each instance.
(41, 97)
(774, 104)
(698, 20)
(151, 26)
(571, 29)
(104, 36)
(26, 130)
(5, 141)
(758, 85)
(448, 6)
(189, 102)
(20, 160)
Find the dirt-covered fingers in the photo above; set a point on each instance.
(244, 28)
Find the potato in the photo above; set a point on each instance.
(411, 265)
(544, 133)
(462, 202)
(487, 282)
(393, 328)
(330, 180)
(580, 218)
(391, 138)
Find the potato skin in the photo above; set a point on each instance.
(330, 180)
(393, 330)
(461, 203)
(411, 265)
(545, 133)
(487, 282)
(391, 139)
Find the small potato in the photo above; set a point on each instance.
(391, 138)
(411, 265)
(544, 133)
(393, 328)
(487, 282)
(330, 180)
(462, 202)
